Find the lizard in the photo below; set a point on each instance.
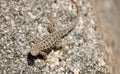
(45, 45)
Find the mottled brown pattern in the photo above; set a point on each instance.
(46, 44)
(50, 41)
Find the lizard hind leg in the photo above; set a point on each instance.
(51, 25)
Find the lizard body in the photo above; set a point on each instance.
(50, 41)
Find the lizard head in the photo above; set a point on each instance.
(34, 51)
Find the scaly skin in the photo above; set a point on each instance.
(45, 45)
(50, 41)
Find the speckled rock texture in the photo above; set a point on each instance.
(21, 19)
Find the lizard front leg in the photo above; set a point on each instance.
(44, 55)
(59, 45)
